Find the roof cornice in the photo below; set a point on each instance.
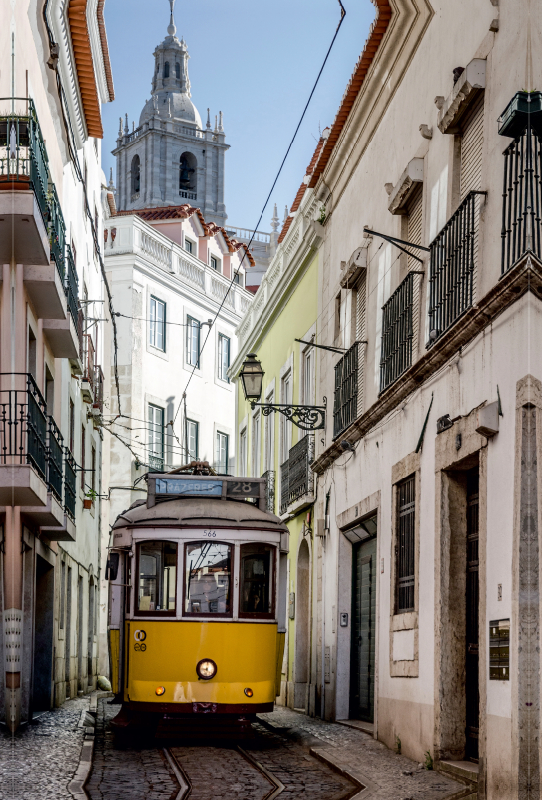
(393, 41)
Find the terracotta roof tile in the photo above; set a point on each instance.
(301, 191)
(378, 29)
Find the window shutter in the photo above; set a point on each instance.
(361, 297)
(472, 142)
(414, 235)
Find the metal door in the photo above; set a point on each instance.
(471, 666)
(363, 631)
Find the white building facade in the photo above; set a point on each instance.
(428, 500)
(52, 197)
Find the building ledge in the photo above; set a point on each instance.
(23, 236)
(50, 514)
(20, 485)
(45, 291)
(466, 770)
(402, 191)
(61, 533)
(62, 337)
(466, 91)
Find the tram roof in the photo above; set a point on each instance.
(206, 511)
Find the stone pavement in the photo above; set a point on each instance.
(130, 773)
(41, 758)
(386, 775)
(218, 773)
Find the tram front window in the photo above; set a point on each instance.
(256, 596)
(208, 578)
(157, 577)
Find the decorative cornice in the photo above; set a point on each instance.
(515, 283)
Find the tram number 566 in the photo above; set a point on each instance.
(210, 534)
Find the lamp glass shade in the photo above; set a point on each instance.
(252, 378)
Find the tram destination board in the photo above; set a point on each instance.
(186, 487)
(175, 486)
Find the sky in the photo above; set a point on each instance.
(256, 62)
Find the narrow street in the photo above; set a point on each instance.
(289, 754)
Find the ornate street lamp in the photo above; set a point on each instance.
(308, 418)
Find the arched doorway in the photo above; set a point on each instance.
(302, 628)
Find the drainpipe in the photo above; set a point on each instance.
(323, 675)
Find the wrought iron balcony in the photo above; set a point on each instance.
(284, 487)
(522, 199)
(345, 405)
(397, 332)
(23, 157)
(23, 425)
(269, 477)
(98, 389)
(55, 451)
(452, 267)
(89, 369)
(70, 483)
(300, 477)
(72, 287)
(57, 233)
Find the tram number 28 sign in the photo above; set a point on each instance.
(243, 489)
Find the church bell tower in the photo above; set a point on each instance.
(170, 159)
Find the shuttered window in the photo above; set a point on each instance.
(472, 142)
(361, 298)
(405, 546)
(415, 235)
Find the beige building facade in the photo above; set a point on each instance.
(427, 566)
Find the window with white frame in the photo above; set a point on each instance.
(222, 453)
(188, 245)
(238, 278)
(285, 426)
(223, 357)
(193, 330)
(256, 444)
(192, 439)
(215, 263)
(157, 324)
(156, 436)
(242, 471)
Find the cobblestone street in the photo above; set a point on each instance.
(289, 754)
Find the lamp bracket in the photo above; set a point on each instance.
(308, 418)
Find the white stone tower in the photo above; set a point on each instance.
(169, 159)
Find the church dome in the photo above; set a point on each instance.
(171, 105)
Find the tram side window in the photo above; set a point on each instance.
(157, 577)
(256, 596)
(208, 578)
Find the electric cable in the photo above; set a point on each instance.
(343, 14)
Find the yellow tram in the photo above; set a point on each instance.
(197, 611)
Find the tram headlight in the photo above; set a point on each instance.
(206, 669)
(249, 692)
(160, 690)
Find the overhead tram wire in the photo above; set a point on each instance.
(343, 15)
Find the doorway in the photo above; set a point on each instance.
(362, 667)
(301, 671)
(42, 687)
(472, 614)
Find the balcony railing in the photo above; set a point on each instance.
(54, 459)
(98, 388)
(397, 332)
(283, 487)
(70, 483)
(300, 477)
(269, 477)
(57, 233)
(452, 267)
(522, 199)
(345, 405)
(89, 362)
(23, 425)
(23, 157)
(72, 287)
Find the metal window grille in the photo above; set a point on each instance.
(522, 199)
(405, 546)
(397, 333)
(269, 477)
(345, 405)
(284, 490)
(23, 426)
(72, 286)
(300, 477)
(452, 267)
(57, 233)
(54, 460)
(69, 483)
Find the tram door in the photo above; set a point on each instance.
(472, 601)
(362, 668)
